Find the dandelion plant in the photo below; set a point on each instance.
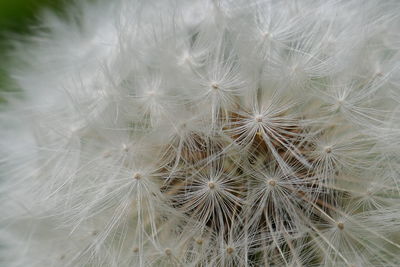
(204, 133)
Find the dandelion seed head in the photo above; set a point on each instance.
(204, 133)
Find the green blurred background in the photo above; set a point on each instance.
(17, 17)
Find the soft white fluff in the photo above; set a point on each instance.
(205, 133)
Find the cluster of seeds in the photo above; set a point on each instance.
(205, 133)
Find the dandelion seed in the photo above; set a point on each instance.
(272, 182)
(168, 252)
(230, 250)
(328, 149)
(137, 176)
(211, 185)
(125, 148)
(259, 118)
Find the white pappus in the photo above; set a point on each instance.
(204, 133)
